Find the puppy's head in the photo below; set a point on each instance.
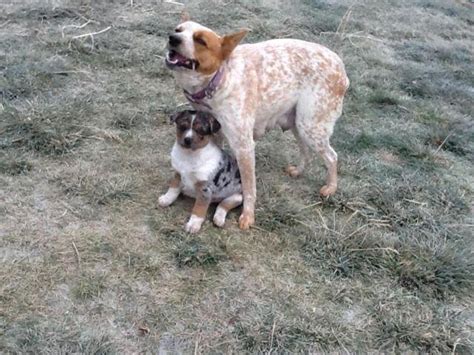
(194, 128)
(194, 47)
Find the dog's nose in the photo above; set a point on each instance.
(174, 40)
(187, 141)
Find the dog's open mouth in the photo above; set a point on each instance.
(174, 59)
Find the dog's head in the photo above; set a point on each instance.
(194, 47)
(194, 128)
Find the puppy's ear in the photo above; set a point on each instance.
(229, 42)
(215, 125)
(185, 16)
(175, 116)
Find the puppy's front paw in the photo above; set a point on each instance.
(246, 220)
(194, 224)
(165, 200)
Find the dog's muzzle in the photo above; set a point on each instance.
(175, 60)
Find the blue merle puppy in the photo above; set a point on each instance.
(202, 169)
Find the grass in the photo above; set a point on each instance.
(90, 264)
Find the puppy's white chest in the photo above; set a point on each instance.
(195, 166)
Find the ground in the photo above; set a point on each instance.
(89, 262)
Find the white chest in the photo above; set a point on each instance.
(195, 166)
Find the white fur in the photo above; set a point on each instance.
(221, 212)
(195, 166)
(219, 216)
(169, 197)
(194, 224)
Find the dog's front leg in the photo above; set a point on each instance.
(203, 200)
(173, 191)
(245, 154)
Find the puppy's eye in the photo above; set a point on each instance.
(179, 29)
(182, 128)
(200, 41)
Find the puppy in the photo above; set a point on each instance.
(252, 88)
(202, 170)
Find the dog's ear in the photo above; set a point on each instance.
(185, 16)
(229, 42)
(215, 125)
(175, 116)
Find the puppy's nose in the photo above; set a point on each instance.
(187, 141)
(174, 40)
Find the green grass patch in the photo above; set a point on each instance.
(88, 286)
(15, 167)
(194, 253)
(383, 98)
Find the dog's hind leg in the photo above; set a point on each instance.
(225, 206)
(315, 124)
(297, 170)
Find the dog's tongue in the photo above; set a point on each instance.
(175, 56)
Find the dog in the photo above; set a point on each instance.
(202, 169)
(252, 88)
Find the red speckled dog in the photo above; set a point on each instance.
(251, 88)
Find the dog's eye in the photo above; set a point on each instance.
(182, 127)
(179, 29)
(200, 41)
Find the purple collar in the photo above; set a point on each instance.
(207, 92)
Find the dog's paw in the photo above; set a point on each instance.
(219, 217)
(246, 220)
(328, 190)
(293, 171)
(194, 224)
(165, 200)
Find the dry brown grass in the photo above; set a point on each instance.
(89, 264)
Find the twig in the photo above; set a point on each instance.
(348, 219)
(78, 257)
(83, 17)
(322, 219)
(442, 143)
(68, 207)
(339, 342)
(311, 205)
(92, 34)
(415, 202)
(174, 2)
(325, 226)
(5, 23)
(456, 343)
(356, 231)
(303, 223)
(344, 20)
(272, 335)
(196, 345)
(74, 26)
